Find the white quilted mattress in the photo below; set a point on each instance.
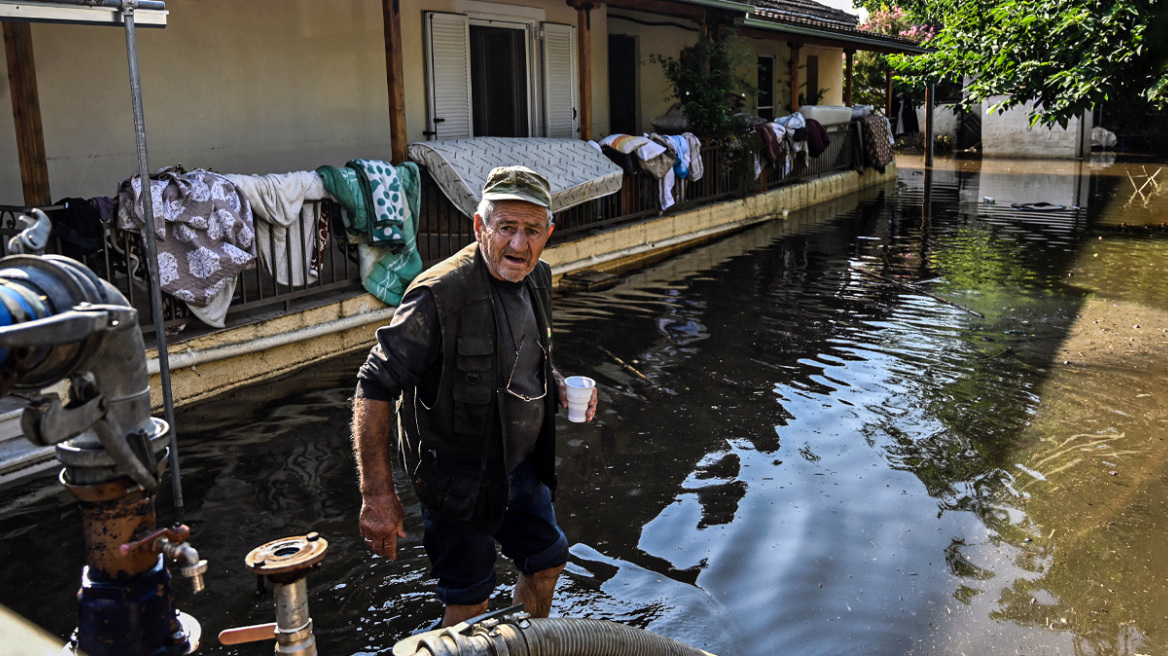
(576, 171)
(827, 114)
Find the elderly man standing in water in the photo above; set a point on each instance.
(469, 354)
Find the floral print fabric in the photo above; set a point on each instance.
(204, 227)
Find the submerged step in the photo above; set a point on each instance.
(588, 281)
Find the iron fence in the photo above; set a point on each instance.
(260, 288)
(274, 284)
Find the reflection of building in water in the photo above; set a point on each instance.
(1050, 196)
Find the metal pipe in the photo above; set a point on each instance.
(193, 357)
(190, 565)
(128, 7)
(151, 5)
(286, 563)
(294, 636)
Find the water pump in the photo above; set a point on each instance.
(59, 321)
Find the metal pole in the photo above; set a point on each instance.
(929, 91)
(140, 4)
(128, 7)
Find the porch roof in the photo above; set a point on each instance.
(728, 5)
(805, 21)
(814, 32)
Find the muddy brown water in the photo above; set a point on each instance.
(809, 441)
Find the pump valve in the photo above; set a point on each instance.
(172, 543)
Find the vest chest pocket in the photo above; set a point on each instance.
(475, 355)
(474, 383)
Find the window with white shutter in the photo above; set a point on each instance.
(448, 75)
(559, 80)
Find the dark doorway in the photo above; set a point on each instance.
(813, 95)
(766, 87)
(498, 81)
(622, 84)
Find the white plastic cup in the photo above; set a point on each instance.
(579, 394)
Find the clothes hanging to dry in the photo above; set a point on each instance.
(204, 229)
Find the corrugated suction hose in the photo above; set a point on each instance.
(542, 637)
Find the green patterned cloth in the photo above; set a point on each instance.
(381, 213)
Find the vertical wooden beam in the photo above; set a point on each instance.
(929, 125)
(888, 93)
(26, 113)
(584, 49)
(848, 57)
(395, 79)
(794, 75)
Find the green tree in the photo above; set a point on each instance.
(870, 67)
(707, 81)
(1062, 56)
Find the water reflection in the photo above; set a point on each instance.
(911, 421)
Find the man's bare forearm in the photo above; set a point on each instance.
(372, 446)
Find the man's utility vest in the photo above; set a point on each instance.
(453, 450)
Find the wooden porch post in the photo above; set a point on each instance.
(394, 77)
(26, 114)
(584, 48)
(848, 56)
(929, 125)
(794, 74)
(888, 93)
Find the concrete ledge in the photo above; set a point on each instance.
(625, 246)
(218, 362)
(226, 359)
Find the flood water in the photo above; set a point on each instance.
(912, 421)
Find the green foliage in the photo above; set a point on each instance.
(869, 73)
(819, 94)
(706, 80)
(709, 80)
(1063, 56)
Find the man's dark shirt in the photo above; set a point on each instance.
(408, 353)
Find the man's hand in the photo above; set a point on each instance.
(562, 385)
(382, 523)
(381, 511)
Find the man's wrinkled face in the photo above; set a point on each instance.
(514, 239)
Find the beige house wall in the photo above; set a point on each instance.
(245, 87)
(831, 72)
(782, 54)
(554, 11)
(669, 40)
(660, 40)
(263, 86)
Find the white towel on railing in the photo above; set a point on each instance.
(695, 156)
(286, 219)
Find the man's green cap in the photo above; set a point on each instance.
(517, 183)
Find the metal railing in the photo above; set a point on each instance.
(442, 231)
(258, 290)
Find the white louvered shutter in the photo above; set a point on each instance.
(448, 75)
(559, 80)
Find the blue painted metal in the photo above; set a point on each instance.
(130, 616)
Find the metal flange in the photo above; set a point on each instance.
(287, 555)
